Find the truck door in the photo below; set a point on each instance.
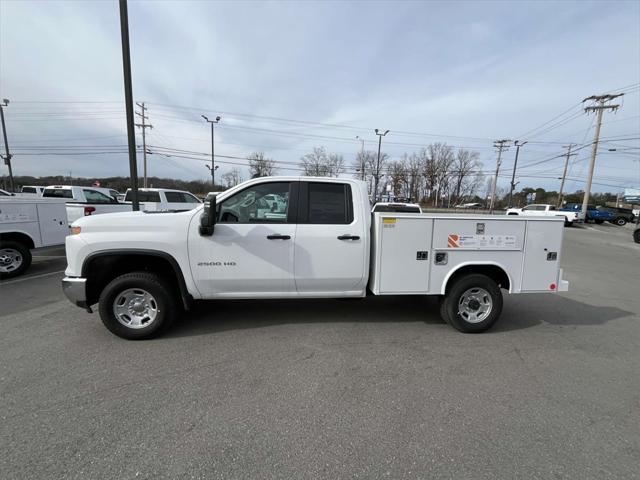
(251, 250)
(331, 248)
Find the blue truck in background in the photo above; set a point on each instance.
(593, 214)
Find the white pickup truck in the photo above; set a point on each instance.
(26, 223)
(84, 201)
(164, 199)
(321, 241)
(546, 210)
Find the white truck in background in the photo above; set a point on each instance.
(84, 201)
(547, 210)
(27, 223)
(322, 241)
(164, 199)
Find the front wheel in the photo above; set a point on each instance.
(567, 223)
(636, 236)
(137, 306)
(15, 258)
(473, 304)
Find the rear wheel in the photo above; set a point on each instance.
(15, 258)
(599, 222)
(137, 305)
(636, 236)
(472, 304)
(620, 221)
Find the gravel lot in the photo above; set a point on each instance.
(368, 388)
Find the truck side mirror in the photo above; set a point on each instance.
(208, 217)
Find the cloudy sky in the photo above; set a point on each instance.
(288, 76)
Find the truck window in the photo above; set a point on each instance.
(264, 203)
(57, 193)
(93, 196)
(328, 204)
(29, 190)
(181, 197)
(143, 196)
(174, 197)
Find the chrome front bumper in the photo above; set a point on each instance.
(75, 290)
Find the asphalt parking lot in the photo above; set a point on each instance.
(369, 388)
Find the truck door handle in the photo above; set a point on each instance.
(348, 237)
(279, 237)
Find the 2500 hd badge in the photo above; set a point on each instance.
(216, 264)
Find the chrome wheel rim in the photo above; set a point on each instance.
(475, 305)
(135, 308)
(10, 260)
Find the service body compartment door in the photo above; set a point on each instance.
(405, 254)
(53, 223)
(542, 255)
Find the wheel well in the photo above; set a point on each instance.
(494, 272)
(101, 269)
(18, 237)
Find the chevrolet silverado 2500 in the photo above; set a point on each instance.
(321, 240)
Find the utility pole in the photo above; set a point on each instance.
(213, 156)
(144, 126)
(128, 103)
(564, 173)
(361, 157)
(7, 155)
(513, 175)
(599, 105)
(377, 174)
(500, 145)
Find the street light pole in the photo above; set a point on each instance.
(361, 157)
(7, 155)
(213, 156)
(377, 174)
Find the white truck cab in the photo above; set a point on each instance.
(303, 237)
(85, 201)
(546, 210)
(164, 199)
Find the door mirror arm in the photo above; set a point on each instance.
(208, 216)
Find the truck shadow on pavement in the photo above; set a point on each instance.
(520, 312)
(529, 310)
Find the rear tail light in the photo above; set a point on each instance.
(89, 210)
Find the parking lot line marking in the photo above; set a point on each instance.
(29, 278)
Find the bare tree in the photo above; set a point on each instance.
(464, 169)
(261, 166)
(232, 178)
(437, 159)
(397, 173)
(319, 163)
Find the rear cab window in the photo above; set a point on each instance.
(57, 193)
(326, 204)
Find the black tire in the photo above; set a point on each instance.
(567, 223)
(450, 305)
(163, 296)
(620, 221)
(636, 235)
(23, 255)
(599, 222)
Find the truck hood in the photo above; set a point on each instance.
(134, 221)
